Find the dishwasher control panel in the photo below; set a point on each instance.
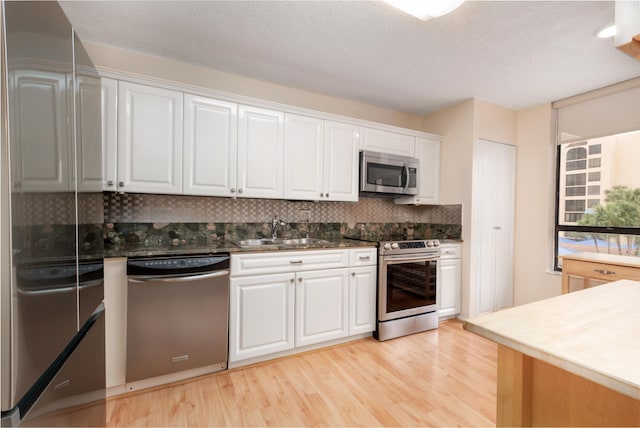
(177, 265)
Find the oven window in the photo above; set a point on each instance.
(411, 285)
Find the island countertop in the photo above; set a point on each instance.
(593, 333)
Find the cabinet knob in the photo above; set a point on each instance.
(121, 183)
(291, 280)
(233, 190)
(353, 274)
(299, 279)
(321, 195)
(109, 182)
(326, 195)
(240, 190)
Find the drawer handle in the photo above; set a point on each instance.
(295, 262)
(365, 258)
(605, 272)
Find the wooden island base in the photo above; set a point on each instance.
(534, 393)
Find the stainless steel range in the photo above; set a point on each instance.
(407, 287)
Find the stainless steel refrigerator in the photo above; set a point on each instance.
(52, 317)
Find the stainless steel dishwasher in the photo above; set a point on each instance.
(177, 315)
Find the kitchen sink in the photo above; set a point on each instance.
(280, 241)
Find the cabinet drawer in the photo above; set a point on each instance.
(287, 261)
(363, 256)
(601, 271)
(450, 251)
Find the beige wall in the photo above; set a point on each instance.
(455, 124)
(115, 59)
(535, 207)
(531, 132)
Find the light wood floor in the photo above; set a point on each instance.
(442, 377)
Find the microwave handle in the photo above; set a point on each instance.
(406, 183)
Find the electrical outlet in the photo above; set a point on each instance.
(304, 214)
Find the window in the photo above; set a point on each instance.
(602, 216)
(575, 191)
(576, 179)
(594, 163)
(576, 154)
(574, 205)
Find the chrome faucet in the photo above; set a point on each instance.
(275, 223)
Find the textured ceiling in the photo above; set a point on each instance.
(516, 54)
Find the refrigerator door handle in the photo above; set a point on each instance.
(60, 290)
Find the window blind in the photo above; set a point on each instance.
(607, 111)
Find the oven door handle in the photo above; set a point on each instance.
(407, 258)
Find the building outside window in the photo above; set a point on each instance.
(602, 216)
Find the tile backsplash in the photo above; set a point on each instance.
(148, 208)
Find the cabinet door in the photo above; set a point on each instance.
(210, 138)
(341, 142)
(261, 315)
(260, 153)
(89, 133)
(321, 306)
(362, 300)
(109, 133)
(41, 140)
(376, 140)
(428, 154)
(449, 293)
(303, 151)
(149, 139)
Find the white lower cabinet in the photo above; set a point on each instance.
(316, 298)
(322, 306)
(449, 276)
(262, 315)
(362, 296)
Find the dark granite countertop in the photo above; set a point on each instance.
(222, 246)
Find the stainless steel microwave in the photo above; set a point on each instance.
(383, 174)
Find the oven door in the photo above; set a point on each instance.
(407, 285)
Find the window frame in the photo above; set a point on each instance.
(576, 228)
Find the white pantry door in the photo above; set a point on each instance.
(493, 208)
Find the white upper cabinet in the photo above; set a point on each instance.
(41, 141)
(341, 142)
(159, 140)
(88, 133)
(210, 146)
(377, 140)
(109, 134)
(321, 159)
(303, 152)
(428, 154)
(149, 139)
(260, 153)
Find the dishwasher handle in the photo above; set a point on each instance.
(156, 278)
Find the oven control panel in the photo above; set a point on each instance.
(420, 246)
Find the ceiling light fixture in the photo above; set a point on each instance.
(607, 32)
(425, 9)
